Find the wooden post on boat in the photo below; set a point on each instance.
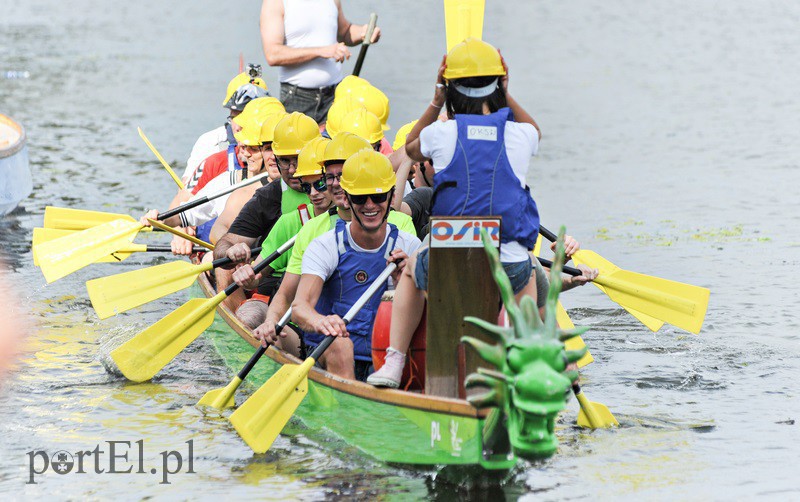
(460, 284)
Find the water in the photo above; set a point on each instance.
(670, 147)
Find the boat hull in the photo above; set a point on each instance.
(15, 175)
(390, 425)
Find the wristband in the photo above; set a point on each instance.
(439, 107)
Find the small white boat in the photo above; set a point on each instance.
(15, 175)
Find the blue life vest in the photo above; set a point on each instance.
(479, 180)
(354, 275)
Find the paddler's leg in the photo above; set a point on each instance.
(409, 300)
(338, 359)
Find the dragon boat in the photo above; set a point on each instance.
(521, 385)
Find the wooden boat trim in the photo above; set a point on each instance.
(394, 397)
(17, 145)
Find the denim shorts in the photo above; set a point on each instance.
(518, 273)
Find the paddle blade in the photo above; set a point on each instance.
(605, 267)
(221, 398)
(63, 256)
(79, 219)
(122, 292)
(141, 357)
(594, 415)
(41, 235)
(463, 19)
(576, 342)
(262, 417)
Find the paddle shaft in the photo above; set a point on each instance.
(264, 264)
(202, 200)
(567, 270)
(373, 20)
(263, 349)
(168, 249)
(227, 261)
(376, 284)
(161, 159)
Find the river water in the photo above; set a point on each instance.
(670, 147)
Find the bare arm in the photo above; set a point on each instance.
(281, 301)
(520, 115)
(401, 163)
(304, 314)
(229, 240)
(273, 40)
(233, 205)
(428, 117)
(353, 34)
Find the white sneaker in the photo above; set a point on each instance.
(391, 372)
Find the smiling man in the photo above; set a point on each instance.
(340, 265)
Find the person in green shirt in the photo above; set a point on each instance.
(338, 150)
(310, 172)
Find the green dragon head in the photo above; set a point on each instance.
(530, 382)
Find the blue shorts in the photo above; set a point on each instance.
(518, 273)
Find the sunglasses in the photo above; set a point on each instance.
(330, 178)
(377, 198)
(320, 186)
(286, 162)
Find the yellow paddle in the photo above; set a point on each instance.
(262, 417)
(593, 415)
(121, 292)
(48, 234)
(682, 305)
(223, 398)
(141, 357)
(161, 159)
(64, 256)
(463, 19)
(174, 231)
(651, 322)
(64, 218)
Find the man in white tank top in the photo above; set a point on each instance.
(307, 40)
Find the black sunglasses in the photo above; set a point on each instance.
(377, 198)
(330, 178)
(320, 186)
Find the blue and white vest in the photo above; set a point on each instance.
(479, 180)
(354, 275)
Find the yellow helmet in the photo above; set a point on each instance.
(240, 80)
(473, 58)
(373, 100)
(268, 127)
(250, 133)
(343, 146)
(400, 137)
(260, 107)
(338, 110)
(310, 157)
(363, 123)
(347, 84)
(292, 133)
(367, 172)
